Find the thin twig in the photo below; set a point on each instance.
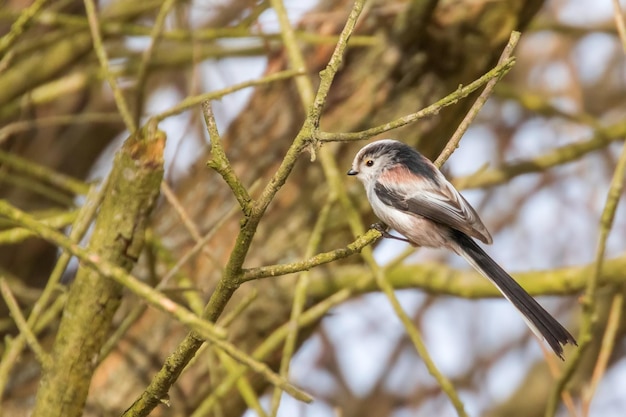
(220, 163)
(556, 157)
(243, 385)
(193, 101)
(191, 227)
(109, 270)
(453, 143)
(120, 101)
(431, 110)
(296, 61)
(125, 28)
(50, 121)
(589, 297)
(228, 318)
(56, 221)
(269, 345)
(19, 26)
(300, 297)
(118, 274)
(146, 57)
(606, 350)
(540, 104)
(333, 177)
(42, 313)
(120, 330)
(357, 246)
(306, 94)
(43, 174)
(21, 324)
(229, 281)
(334, 64)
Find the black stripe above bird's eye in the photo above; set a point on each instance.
(375, 150)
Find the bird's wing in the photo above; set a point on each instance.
(442, 204)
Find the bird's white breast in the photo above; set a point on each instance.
(419, 230)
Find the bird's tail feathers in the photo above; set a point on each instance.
(538, 319)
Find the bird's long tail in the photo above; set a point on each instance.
(539, 320)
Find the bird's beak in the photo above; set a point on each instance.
(352, 172)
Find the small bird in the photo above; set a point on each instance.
(409, 194)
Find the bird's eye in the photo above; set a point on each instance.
(369, 162)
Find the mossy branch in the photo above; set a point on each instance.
(452, 98)
(440, 279)
(220, 163)
(109, 270)
(19, 234)
(556, 157)
(132, 190)
(321, 258)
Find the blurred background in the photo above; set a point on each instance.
(536, 164)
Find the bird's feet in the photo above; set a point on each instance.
(382, 228)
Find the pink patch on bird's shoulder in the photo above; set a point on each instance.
(399, 176)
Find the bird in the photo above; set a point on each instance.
(408, 193)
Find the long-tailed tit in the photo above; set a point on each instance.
(409, 194)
